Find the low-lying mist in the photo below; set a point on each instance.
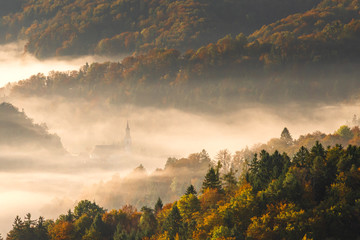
(49, 184)
(81, 125)
(16, 65)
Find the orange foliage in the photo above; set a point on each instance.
(62, 231)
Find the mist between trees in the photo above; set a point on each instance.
(274, 197)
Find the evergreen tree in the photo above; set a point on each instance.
(286, 136)
(301, 158)
(229, 180)
(120, 233)
(98, 229)
(41, 230)
(204, 157)
(190, 190)
(173, 222)
(212, 180)
(28, 229)
(148, 223)
(28, 222)
(15, 233)
(158, 205)
(317, 151)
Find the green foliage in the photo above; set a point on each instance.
(28, 229)
(188, 205)
(301, 158)
(229, 180)
(220, 232)
(148, 222)
(82, 224)
(345, 132)
(269, 167)
(190, 190)
(283, 221)
(158, 205)
(89, 208)
(212, 180)
(173, 222)
(314, 196)
(120, 233)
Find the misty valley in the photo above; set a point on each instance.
(179, 120)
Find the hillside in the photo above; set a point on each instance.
(141, 188)
(114, 27)
(313, 195)
(311, 56)
(324, 33)
(20, 133)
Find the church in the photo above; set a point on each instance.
(104, 152)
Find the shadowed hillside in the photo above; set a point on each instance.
(114, 27)
(19, 132)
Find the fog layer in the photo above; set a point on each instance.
(16, 65)
(48, 185)
(52, 184)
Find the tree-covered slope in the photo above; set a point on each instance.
(331, 30)
(10, 6)
(108, 27)
(311, 56)
(19, 132)
(313, 195)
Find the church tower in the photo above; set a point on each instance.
(127, 139)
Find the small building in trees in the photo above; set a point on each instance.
(104, 152)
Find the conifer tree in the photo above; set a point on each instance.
(120, 233)
(229, 180)
(211, 180)
(159, 205)
(286, 136)
(204, 157)
(173, 222)
(148, 223)
(190, 190)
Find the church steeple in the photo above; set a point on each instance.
(127, 139)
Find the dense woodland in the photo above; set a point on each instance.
(202, 55)
(141, 188)
(311, 56)
(312, 195)
(107, 27)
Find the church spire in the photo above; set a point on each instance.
(127, 139)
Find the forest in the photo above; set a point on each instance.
(202, 63)
(142, 188)
(313, 194)
(78, 27)
(310, 56)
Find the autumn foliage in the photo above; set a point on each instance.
(314, 195)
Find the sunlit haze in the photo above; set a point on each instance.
(17, 65)
(196, 119)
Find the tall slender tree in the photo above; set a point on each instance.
(212, 180)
